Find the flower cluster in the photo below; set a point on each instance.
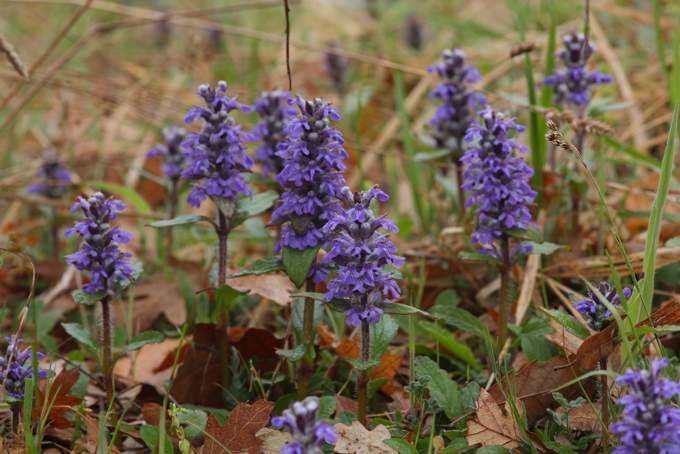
(16, 366)
(498, 181)
(99, 255)
(170, 152)
(54, 178)
(275, 111)
(311, 178)
(216, 155)
(594, 310)
(309, 434)
(573, 85)
(360, 251)
(649, 424)
(455, 114)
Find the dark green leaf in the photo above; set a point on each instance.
(401, 446)
(442, 388)
(294, 354)
(382, 334)
(128, 194)
(79, 333)
(226, 294)
(327, 407)
(461, 319)
(181, 220)
(468, 256)
(449, 342)
(568, 322)
(298, 262)
(149, 434)
(544, 248)
(147, 337)
(252, 206)
(403, 309)
(493, 450)
(363, 365)
(80, 297)
(194, 421)
(430, 155)
(262, 266)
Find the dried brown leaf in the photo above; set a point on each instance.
(356, 439)
(238, 435)
(491, 426)
(273, 440)
(274, 286)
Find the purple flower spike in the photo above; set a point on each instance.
(55, 179)
(16, 366)
(498, 181)
(170, 152)
(311, 178)
(360, 251)
(458, 102)
(216, 156)
(573, 85)
(309, 434)
(99, 255)
(593, 309)
(649, 424)
(275, 112)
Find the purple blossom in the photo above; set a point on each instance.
(455, 114)
(275, 111)
(498, 181)
(311, 178)
(16, 366)
(413, 32)
(573, 84)
(309, 434)
(99, 255)
(594, 310)
(649, 424)
(170, 152)
(216, 156)
(54, 178)
(361, 251)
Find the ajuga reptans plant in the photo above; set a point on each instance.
(16, 367)
(302, 421)
(274, 110)
(594, 311)
(455, 114)
(104, 263)
(498, 182)
(364, 259)
(649, 423)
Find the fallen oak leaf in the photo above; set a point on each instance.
(356, 439)
(491, 426)
(238, 435)
(57, 399)
(275, 287)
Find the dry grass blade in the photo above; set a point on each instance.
(13, 57)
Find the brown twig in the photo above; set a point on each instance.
(286, 10)
(13, 57)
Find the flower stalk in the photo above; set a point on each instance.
(362, 382)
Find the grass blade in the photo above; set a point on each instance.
(644, 303)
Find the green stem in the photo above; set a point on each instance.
(106, 348)
(223, 229)
(305, 371)
(504, 303)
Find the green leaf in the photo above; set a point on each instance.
(449, 341)
(673, 242)
(381, 335)
(400, 445)
(194, 421)
(128, 194)
(262, 266)
(149, 434)
(643, 310)
(462, 319)
(294, 354)
(326, 407)
(316, 296)
(363, 365)
(403, 309)
(469, 256)
(448, 297)
(137, 268)
(226, 295)
(568, 322)
(442, 388)
(533, 341)
(431, 155)
(297, 263)
(252, 206)
(80, 297)
(79, 333)
(544, 248)
(493, 450)
(181, 220)
(633, 153)
(142, 339)
(469, 395)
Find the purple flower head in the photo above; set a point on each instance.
(311, 178)
(16, 366)
(215, 156)
(413, 32)
(99, 255)
(309, 434)
(170, 152)
(649, 424)
(337, 67)
(361, 251)
(458, 102)
(275, 111)
(498, 180)
(54, 178)
(594, 310)
(573, 85)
